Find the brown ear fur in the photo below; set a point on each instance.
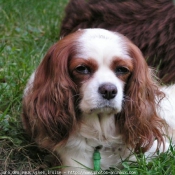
(140, 123)
(49, 113)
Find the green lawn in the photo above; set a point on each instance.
(27, 29)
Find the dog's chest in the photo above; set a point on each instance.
(95, 131)
(102, 133)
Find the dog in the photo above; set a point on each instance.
(149, 24)
(93, 89)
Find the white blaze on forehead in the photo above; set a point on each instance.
(102, 45)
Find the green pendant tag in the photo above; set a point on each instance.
(96, 159)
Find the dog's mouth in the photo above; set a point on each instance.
(106, 109)
(103, 107)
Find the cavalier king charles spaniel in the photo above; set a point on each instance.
(94, 90)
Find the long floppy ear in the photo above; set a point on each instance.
(49, 113)
(141, 124)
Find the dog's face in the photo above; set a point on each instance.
(101, 69)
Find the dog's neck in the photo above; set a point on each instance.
(100, 128)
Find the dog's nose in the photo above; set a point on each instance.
(108, 91)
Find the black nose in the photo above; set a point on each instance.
(108, 91)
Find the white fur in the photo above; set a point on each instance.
(168, 110)
(102, 45)
(29, 84)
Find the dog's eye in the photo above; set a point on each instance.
(121, 70)
(83, 69)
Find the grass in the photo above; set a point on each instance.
(27, 29)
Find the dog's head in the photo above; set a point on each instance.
(93, 71)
